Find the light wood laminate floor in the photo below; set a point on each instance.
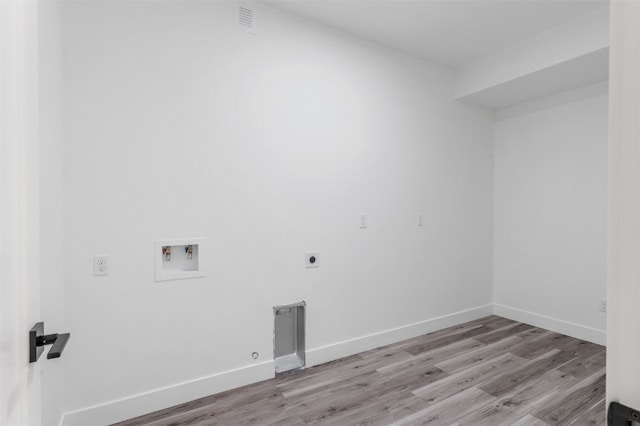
(492, 371)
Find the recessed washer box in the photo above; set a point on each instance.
(178, 259)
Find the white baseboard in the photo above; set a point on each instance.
(360, 344)
(560, 326)
(157, 399)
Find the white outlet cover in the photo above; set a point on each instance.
(312, 259)
(100, 266)
(603, 305)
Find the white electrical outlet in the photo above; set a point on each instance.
(420, 219)
(603, 305)
(100, 265)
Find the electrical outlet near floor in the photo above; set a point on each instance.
(100, 265)
(603, 305)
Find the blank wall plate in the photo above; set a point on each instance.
(364, 220)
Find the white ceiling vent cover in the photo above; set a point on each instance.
(246, 18)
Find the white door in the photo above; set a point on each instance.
(20, 381)
(623, 318)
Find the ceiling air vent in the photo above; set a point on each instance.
(246, 18)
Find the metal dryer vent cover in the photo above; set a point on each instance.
(246, 18)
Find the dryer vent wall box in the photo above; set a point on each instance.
(178, 259)
(289, 337)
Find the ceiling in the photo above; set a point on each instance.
(451, 33)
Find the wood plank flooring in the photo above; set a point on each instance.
(492, 371)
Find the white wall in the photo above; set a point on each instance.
(560, 44)
(177, 124)
(550, 166)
